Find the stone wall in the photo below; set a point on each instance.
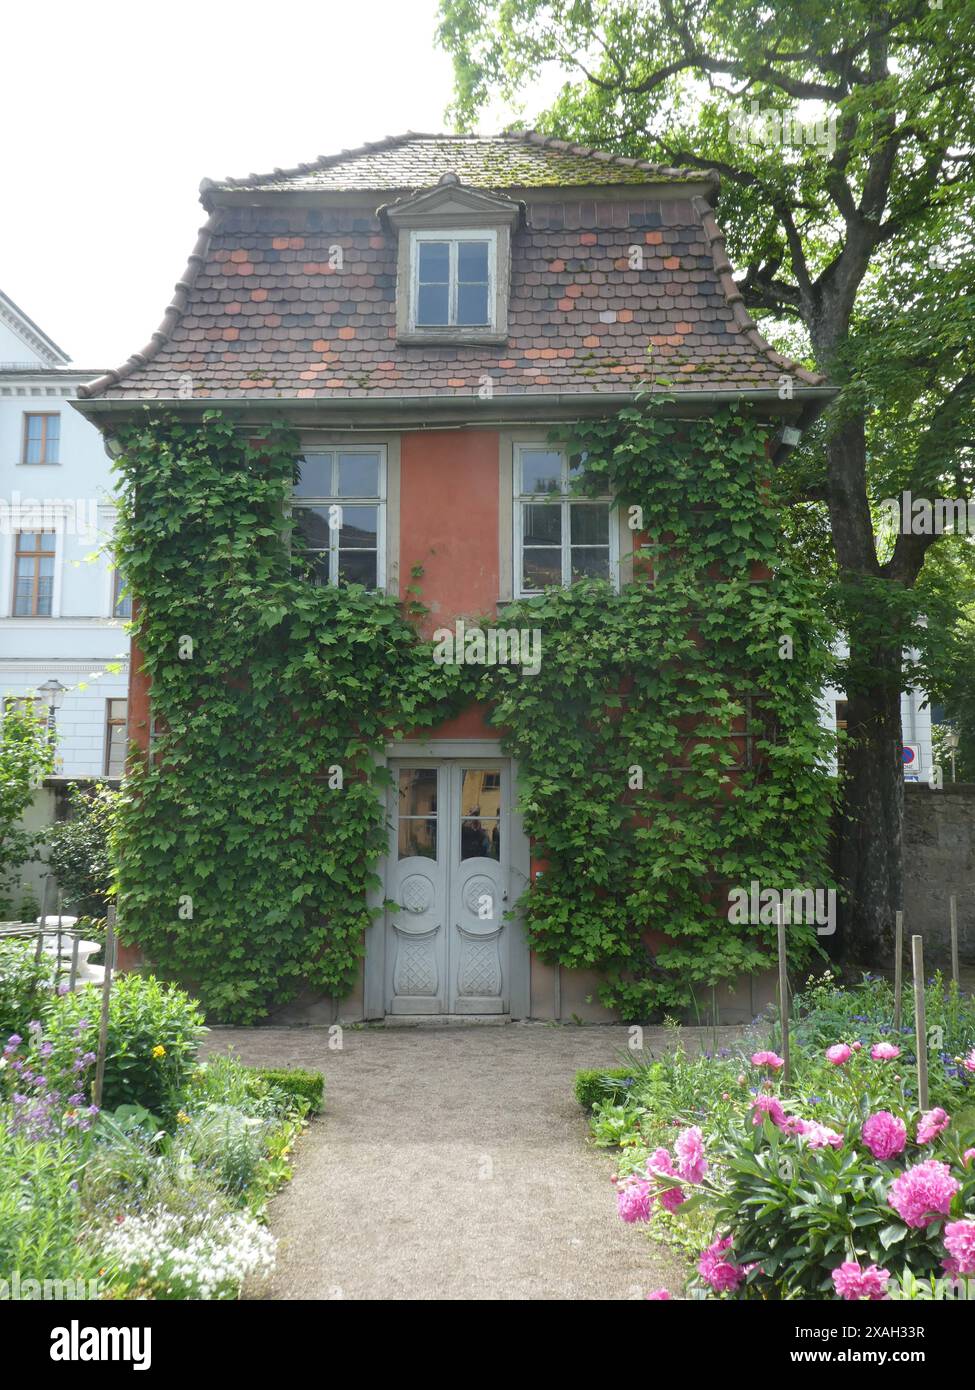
(939, 859)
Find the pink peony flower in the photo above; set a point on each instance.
(633, 1199)
(969, 1062)
(967, 1157)
(660, 1161)
(884, 1052)
(960, 1243)
(689, 1148)
(857, 1046)
(931, 1124)
(884, 1134)
(819, 1136)
(721, 1274)
(670, 1198)
(767, 1059)
(923, 1193)
(838, 1054)
(768, 1105)
(853, 1283)
(658, 1296)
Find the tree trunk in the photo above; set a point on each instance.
(872, 809)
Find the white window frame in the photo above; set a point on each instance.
(379, 502)
(452, 236)
(564, 499)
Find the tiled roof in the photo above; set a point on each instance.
(516, 159)
(263, 311)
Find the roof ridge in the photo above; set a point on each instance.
(715, 239)
(174, 312)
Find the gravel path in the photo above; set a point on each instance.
(452, 1163)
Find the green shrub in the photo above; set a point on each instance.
(78, 850)
(300, 1085)
(40, 1216)
(226, 1143)
(154, 1032)
(599, 1084)
(26, 986)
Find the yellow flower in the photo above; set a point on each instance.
(159, 1051)
(182, 1118)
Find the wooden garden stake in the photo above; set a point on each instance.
(920, 1026)
(103, 1021)
(898, 968)
(953, 918)
(783, 994)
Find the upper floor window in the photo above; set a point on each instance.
(34, 574)
(42, 438)
(339, 510)
(453, 279)
(116, 718)
(560, 535)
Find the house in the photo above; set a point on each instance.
(916, 724)
(423, 310)
(62, 608)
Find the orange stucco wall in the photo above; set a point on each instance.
(449, 521)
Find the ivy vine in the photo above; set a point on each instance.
(244, 862)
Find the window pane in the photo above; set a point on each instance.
(472, 304)
(24, 588)
(53, 438)
(311, 526)
(47, 541)
(480, 793)
(541, 471)
(480, 839)
(431, 304)
(317, 566)
(358, 475)
(359, 528)
(541, 568)
(591, 561)
(434, 262)
(358, 567)
(542, 524)
(35, 426)
(590, 524)
(472, 262)
(418, 791)
(314, 476)
(418, 838)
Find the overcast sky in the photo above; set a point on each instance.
(112, 114)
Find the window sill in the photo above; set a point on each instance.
(453, 337)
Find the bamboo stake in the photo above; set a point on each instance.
(103, 1021)
(783, 995)
(920, 1027)
(953, 916)
(898, 968)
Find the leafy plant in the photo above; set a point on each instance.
(305, 1087)
(25, 986)
(26, 757)
(154, 1031)
(78, 850)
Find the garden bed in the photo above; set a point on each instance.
(837, 1186)
(161, 1193)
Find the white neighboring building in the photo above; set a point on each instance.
(61, 615)
(915, 725)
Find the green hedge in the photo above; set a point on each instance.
(304, 1085)
(607, 1083)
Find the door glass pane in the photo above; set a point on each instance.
(480, 814)
(314, 476)
(358, 475)
(541, 470)
(541, 568)
(418, 791)
(417, 838)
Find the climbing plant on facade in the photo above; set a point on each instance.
(249, 841)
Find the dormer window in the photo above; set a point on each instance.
(453, 267)
(453, 279)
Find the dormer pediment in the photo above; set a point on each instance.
(450, 203)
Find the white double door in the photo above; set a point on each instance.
(447, 943)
